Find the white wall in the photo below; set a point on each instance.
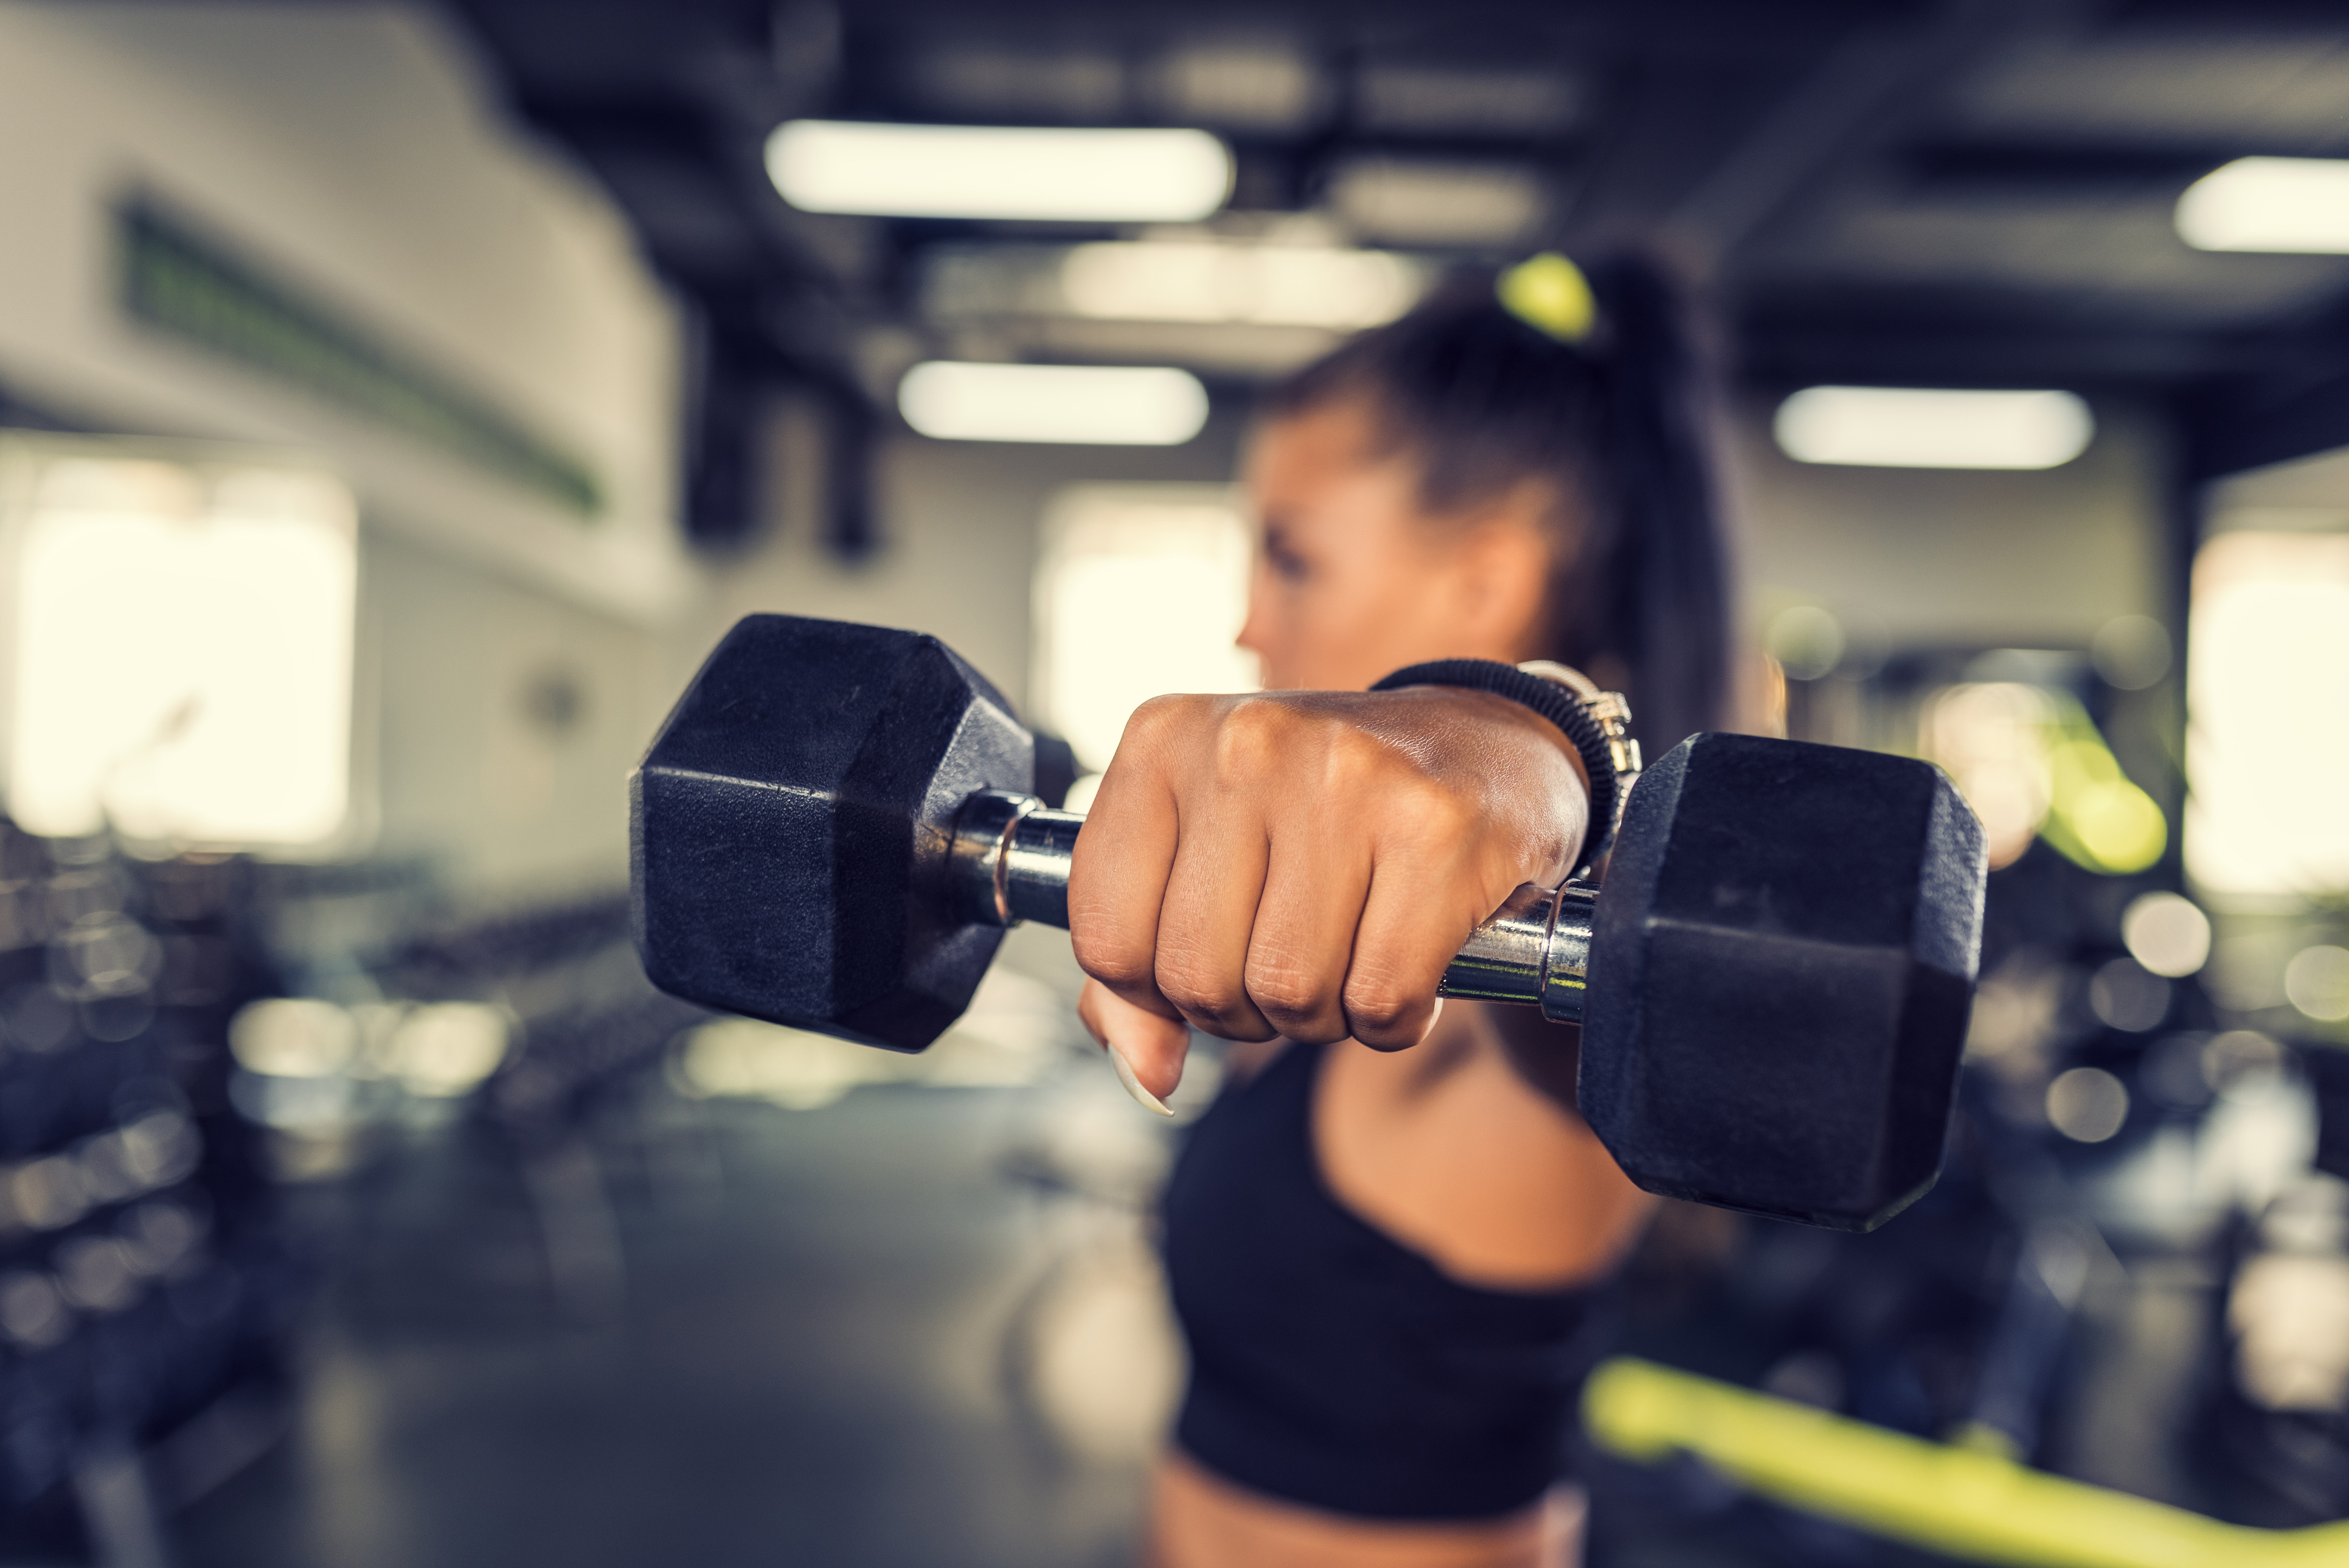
(961, 524)
(2307, 494)
(1942, 558)
(503, 803)
(351, 150)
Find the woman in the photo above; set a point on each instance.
(1385, 1259)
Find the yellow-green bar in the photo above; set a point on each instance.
(1963, 1502)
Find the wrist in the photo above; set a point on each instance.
(1594, 725)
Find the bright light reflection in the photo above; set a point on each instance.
(2276, 205)
(2316, 981)
(1079, 405)
(1909, 428)
(1269, 285)
(444, 1049)
(995, 171)
(2166, 934)
(183, 659)
(1010, 1035)
(2267, 686)
(2031, 762)
(2290, 1313)
(2087, 1105)
(293, 1037)
(1140, 593)
(1992, 739)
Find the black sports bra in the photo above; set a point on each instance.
(1333, 1366)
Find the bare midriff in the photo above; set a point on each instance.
(1198, 1520)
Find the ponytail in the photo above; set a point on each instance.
(1668, 582)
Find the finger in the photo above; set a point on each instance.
(1315, 886)
(1412, 929)
(1220, 855)
(1118, 871)
(1150, 1050)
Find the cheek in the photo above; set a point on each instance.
(1347, 630)
(1279, 626)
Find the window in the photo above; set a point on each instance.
(182, 652)
(2267, 689)
(1140, 592)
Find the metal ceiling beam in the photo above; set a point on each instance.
(1876, 88)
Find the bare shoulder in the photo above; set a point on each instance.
(1451, 1151)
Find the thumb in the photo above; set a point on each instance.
(1147, 1049)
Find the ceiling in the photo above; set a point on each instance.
(1976, 193)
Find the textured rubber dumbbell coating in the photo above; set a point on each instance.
(789, 828)
(1774, 913)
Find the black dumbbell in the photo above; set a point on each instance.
(832, 829)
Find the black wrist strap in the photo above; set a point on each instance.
(1555, 702)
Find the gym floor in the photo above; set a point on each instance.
(812, 1363)
(915, 1327)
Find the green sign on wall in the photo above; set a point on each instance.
(191, 286)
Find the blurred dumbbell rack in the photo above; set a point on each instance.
(145, 1279)
(167, 1208)
(479, 1038)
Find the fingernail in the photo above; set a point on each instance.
(1141, 1097)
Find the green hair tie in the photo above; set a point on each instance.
(1549, 294)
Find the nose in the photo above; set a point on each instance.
(1260, 635)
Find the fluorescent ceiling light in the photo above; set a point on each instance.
(995, 171)
(2286, 204)
(1087, 405)
(1907, 428)
(1266, 285)
(1416, 201)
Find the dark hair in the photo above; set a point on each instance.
(1616, 425)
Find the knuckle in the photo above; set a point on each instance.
(1284, 990)
(1157, 713)
(1215, 1006)
(1152, 732)
(1353, 755)
(1249, 738)
(1116, 963)
(1378, 1005)
(1194, 986)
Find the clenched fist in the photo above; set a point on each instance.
(1307, 863)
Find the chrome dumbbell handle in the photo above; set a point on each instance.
(1009, 862)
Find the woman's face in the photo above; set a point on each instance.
(1353, 579)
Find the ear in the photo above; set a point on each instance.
(1505, 568)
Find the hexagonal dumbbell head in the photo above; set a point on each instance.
(790, 826)
(1781, 971)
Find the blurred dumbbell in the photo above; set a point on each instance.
(833, 831)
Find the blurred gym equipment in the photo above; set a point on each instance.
(145, 1283)
(1967, 1502)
